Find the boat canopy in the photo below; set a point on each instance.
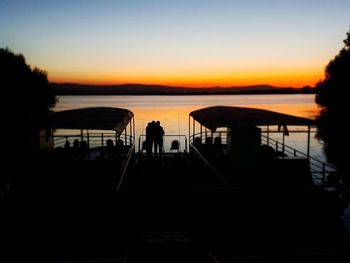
(99, 118)
(225, 116)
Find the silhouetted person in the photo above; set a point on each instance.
(150, 138)
(217, 148)
(175, 145)
(67, 145)
(158, 138)
(109, 143)
(119, 144)
(208, 147)
(266, 153)
(76, 144)
(197, 142)
(84, 146)
(67, 148)
(75, 150)
(110, 147)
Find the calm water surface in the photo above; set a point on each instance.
(173, 111)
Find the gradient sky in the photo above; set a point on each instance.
(182, 42)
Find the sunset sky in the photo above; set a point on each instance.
(180, 43)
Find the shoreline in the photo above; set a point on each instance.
(180, 94)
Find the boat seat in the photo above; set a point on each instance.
(175, 146)
(144, 146)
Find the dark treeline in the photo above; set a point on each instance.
(26, 99)
(140, 89)
(26, 93)
(332, 96)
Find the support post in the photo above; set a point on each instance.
(194, 128)
(130, 133)
(308, 141)
(189, 129)
(88, 139)
(323, 172)
(133, 126)
(88, 143)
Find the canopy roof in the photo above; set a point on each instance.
(224, 116)
(101, 118)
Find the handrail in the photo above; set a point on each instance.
(125, 166)
(210, 166)
(297, 151)
(316, 166)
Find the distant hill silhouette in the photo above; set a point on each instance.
(142, 89)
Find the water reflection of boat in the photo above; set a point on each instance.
(217, 203)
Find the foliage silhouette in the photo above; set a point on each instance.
(332, 97)
(26, 92)
(26, 98)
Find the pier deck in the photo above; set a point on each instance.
(175, 209)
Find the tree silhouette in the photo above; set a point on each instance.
(26, 98)
(26, 93)
(333, 99)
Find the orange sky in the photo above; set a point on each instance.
(206, 79)
(195, 43)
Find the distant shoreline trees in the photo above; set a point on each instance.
(332, 96)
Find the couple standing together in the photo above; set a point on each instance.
(154, 136)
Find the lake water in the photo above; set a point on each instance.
(173, 111)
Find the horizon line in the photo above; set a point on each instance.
(176, 86)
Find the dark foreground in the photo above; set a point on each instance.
(169, 210)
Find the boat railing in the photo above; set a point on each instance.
(93, 140)
(319, 170)
(169, 144)
(90, 146)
